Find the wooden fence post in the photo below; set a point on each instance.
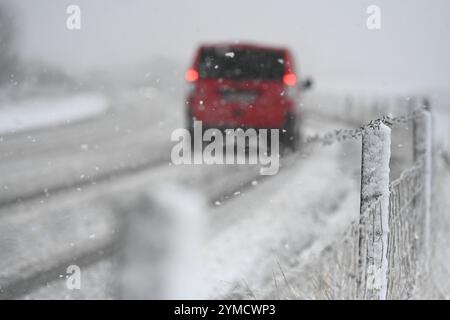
(374, 209)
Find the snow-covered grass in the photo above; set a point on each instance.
(440, 237)
(277, 222)
(439, 285)
(322, 278)
(40, 112)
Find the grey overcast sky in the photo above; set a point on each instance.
(329, 38)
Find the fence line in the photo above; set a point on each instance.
(382, 253)
(338, 135)
(407, 233)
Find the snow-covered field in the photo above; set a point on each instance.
(41, 112)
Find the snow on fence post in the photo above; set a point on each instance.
(374, 210)
(422, 133)
(160, 245)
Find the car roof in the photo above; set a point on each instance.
(242, 45)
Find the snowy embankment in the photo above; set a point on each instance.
(440, 237)
(304, 207)
(42, 111)
(440, 214)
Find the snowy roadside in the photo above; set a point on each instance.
(276, 223)
(440, 218)
(42, 112)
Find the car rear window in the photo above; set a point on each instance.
(241, 64)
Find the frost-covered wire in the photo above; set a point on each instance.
(339, 135)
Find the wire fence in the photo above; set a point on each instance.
(339, 135)
(341, 269)
(382, 254)
(406, 244)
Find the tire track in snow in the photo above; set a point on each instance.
(97, 179)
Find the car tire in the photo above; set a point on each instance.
(290, 134)
(190, 125)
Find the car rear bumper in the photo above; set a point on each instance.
(248, 116)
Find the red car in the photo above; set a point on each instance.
(247, 86)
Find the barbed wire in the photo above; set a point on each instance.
(340, 135)
(341, 258)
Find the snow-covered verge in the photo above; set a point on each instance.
(321, 277)
(439, 285)
(40, 112)
(278, 226)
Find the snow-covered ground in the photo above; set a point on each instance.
(440, 218)
(258, 230)
(269, 235)
(41, 112)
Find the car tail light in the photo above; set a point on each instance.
(191, 75)
(289, 79)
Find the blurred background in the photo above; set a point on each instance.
(331, 40)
